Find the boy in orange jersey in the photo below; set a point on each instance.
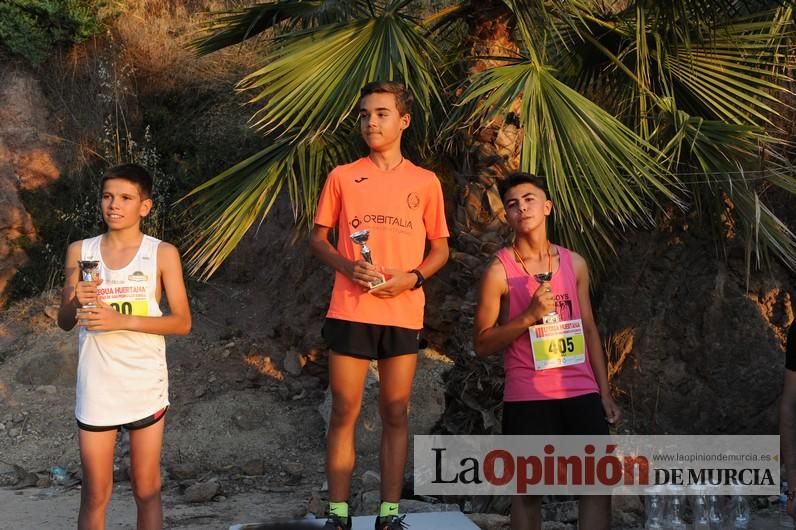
(122, 381)
(401, 207)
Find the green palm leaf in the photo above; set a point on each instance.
(737, 74)
(602, 176)
(722, 161)
(227, 205)
(229, 28)
(312, 82)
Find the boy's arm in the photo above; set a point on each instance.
(400, 280)
(68, 311)
(592, 336)
(491, 337)
(177, 322)
(360, 272)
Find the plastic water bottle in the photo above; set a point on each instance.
(785, 520)
(699, 509)
(58, 474)
(674, 519)
(653, 508)
(741, 513)
(715, 512)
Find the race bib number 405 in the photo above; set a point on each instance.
(557, 344)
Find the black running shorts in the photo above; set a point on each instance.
(132, 426)
(369, 341)
(576, 415)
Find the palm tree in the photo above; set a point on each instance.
(632, 109)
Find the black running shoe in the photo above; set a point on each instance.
(335, 522)
(391, 522)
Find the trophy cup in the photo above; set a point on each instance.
(361, 238)
(89, 271)
(552, 316)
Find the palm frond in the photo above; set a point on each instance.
(227, 205)
(764, 233)
(311, 84)
(722, 159)
(736, 75)
(603, 177)
(230, 28)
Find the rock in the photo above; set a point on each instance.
(8, 475)
(57, 367)
(293, 472)
(51, 311)
(566, 511)
(46, 389)
(490, 521)
(200, 390)
(557, 525)
(370, 480)
(44, 482)
(13, 432)
(25, 479)
(316, 505)
(369, 502)
(184, 471)
(413, 506)
(254, 467)
(294, 362)
(247, 420)
(628, 504)
(202, 491)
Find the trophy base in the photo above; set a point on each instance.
(376, 283)
(550, 318)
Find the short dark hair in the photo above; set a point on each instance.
(519, 177)
(132, 173)
(403, 98)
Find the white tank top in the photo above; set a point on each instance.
(122, 375)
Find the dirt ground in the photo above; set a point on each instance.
(245, 425)
(243, 415)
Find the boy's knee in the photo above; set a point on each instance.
(345, 409)
(146, 491)
(394, 413)
(96, 498)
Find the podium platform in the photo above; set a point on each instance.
(416, 521)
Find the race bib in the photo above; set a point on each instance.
(557, 344)
(139, 308)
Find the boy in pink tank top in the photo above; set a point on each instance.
(566, 392)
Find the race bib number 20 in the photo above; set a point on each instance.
(558, 344)
(139, 308)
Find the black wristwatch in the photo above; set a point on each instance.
(420, 278)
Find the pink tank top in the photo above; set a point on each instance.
(523, 382)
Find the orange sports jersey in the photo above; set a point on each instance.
(401, 209)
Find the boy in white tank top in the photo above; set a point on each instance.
(122, 381)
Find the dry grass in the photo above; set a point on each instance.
(156, 37)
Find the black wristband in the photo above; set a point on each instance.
(420, 278)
